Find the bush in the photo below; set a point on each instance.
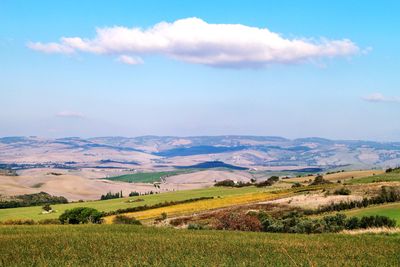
(319, 179)
(163, 217)
(49, 221)
(334, 223)
(238, 222)
(296, 184)
(122, 219)
(32, 200)
(47, 207)
(269, 182)
(179, 221)
(264, 183)
(110, 195)
(342, 191)
(273, 179)
(80, 215)
(397, 169)
(226, 182)
(376, 221)
(353, 223)
(195, 226)
(134, 194)
(19, 222)
(297, 223)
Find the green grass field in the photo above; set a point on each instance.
(391, 210)
(385, 177)
(124, 245)
(144, 177)
(120, 203)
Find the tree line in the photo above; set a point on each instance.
(35, 199)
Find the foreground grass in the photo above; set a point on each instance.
(391, 210)
(120, 203)
(124, 245)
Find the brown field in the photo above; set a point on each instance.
(86, 184)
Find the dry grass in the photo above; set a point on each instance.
(379, 230)
(311, 201)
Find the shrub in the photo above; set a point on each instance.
(49, 221)
(296, 184)
(270, 181)
(179, 221)
(47, 207)
(273, 179)
(110, 195)
(195, 226)
(238, 221)
(80, 215)
(397, 169)
(319, 179)
(226, 182)
(376, 221)
(353, 223)
(264, 183)
(163, 217)
(342, 191)
(32, 200)
(134, 194)
(334, 223)
(19, 222)
(297, 223)
(123, 219)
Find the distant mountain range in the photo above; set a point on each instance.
(153, 152)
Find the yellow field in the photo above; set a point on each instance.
(339, 176)
(190, 208)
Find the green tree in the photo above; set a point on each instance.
(47, 207)
(80, 215)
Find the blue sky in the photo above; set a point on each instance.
(350, 91)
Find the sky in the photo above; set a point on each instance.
(188, 68)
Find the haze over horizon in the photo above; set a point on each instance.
(179, 69)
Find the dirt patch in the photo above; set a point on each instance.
(313, 201)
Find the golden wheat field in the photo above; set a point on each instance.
(190, 208)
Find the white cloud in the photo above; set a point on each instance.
(129, 60)
(70, 114)
(196, 41)
(378, 97)
(50, 48)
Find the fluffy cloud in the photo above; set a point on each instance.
(70, 114)
(51, 48)
(129, 60)
(378, 97)
(196, 41)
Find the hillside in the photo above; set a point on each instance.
(155, 152)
